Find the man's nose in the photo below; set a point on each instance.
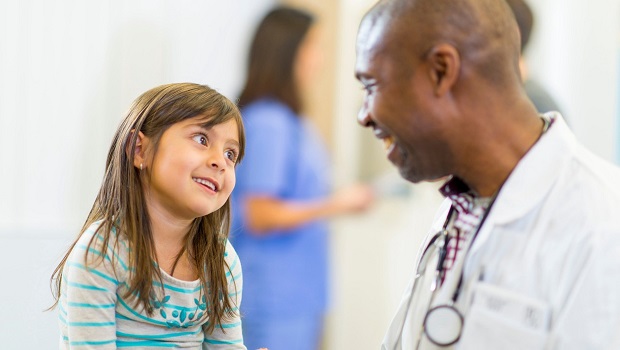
(363, 116)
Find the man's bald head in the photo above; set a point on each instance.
(484, 32)
(443, 89)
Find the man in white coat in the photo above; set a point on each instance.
(525, 251)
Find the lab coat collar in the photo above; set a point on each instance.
(529, 182)
(535, 173)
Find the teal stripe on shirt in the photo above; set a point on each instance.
(120, 300)
(232, 267)
(118, 258)
(216, 341)
(85, 286)
(94, 251)
(178, 289)
(157, 336)
(62, 309)
(101, 342)
(94, 271)
(226, 325)
(124, 344)
(235, 277)
(123, 317)
(181, 308)
(94, 306)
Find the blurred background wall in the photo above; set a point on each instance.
(69, 69)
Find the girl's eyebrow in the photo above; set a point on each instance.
(234, 142)
(205, 125)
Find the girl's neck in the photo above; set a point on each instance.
(166, 228)
(169, 237)
(169, 234)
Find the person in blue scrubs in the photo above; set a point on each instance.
(282, 196)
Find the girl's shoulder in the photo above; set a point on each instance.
(96, 243)
(230, 254)
(232, 259)
(98, 234)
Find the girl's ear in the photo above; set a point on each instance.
(139, 156)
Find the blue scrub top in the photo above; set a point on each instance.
(284, 272)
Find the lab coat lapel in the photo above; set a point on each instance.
(530, 180)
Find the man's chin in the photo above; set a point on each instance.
(410, 175)
(415, 177)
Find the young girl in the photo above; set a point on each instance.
(152, 267)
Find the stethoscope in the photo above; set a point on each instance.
(443, 324)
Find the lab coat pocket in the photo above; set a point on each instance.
(502, 319)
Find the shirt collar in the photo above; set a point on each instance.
(463, 198)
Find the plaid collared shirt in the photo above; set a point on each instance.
(470, 209)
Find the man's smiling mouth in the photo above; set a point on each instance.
(388, 141)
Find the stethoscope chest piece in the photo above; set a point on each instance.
(443, 325)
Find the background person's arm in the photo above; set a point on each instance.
(265, 213)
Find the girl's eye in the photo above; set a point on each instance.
(232, 155)
(201, 139)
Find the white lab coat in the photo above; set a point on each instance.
(544, 270)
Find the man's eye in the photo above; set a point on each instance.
(201, 139)
(368, 88)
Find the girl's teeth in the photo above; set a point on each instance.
(206, 183)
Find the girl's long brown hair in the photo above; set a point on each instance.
(120, 204)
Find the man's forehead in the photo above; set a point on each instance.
(371, 33)
(371, 41)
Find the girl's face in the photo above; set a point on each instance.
(193, 170)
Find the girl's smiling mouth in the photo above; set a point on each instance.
(211, 184)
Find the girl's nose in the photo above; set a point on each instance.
(217, 161)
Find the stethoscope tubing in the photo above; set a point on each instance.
(423, 261)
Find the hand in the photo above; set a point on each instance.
(355, 198)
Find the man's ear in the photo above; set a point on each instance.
(139, 156)
(445, 65)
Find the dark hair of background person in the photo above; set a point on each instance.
(271, 60)
(525, 19)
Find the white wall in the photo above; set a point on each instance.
(575, 53)
(68, 71)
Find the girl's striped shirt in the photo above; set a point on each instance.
(94, 314)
